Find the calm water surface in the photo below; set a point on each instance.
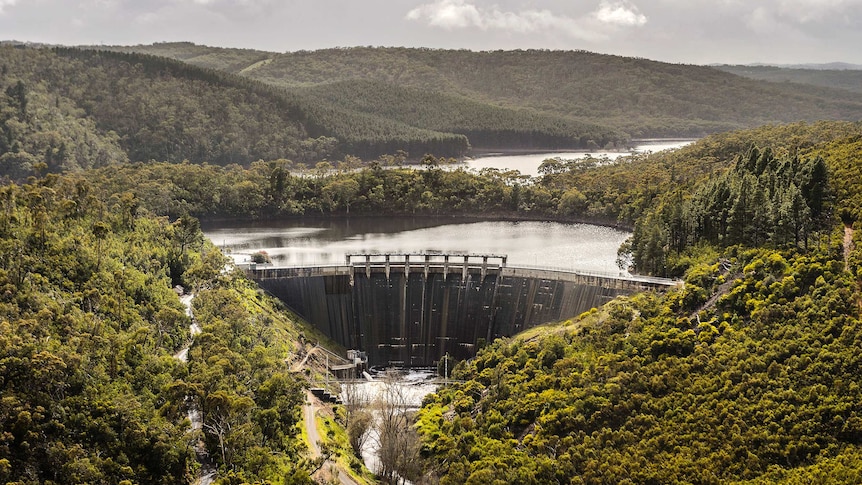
(583, 247)
(528, 164)
(312, 242)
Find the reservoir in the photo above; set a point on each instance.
(322, 241)
(528, 164)
(314, 242)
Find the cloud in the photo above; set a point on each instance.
(782, 12)
(621, 13)
(815, 11)
(448, 14)
(6, 3)
(240, 7)
(461, 14)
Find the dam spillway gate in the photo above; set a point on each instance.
(412, 309)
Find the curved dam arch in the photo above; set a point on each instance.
(412, 309)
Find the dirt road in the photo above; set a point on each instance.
(330, 467)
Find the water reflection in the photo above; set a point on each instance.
(527, 243)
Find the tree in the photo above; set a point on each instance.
(572, 203)
(341, 192)
(18, 93)
(226, 418)
(398, 442)
(17, 165)
(358, 416)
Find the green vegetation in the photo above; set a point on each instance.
(759, 385)
(485, 125)
(760, 201)
(270, 190)
(746, 374)
(847, 79)
(73, 109)
(90, 388)
(586, 190)
(636, 96)
(40, 130)
(336, 446)
(682, 198)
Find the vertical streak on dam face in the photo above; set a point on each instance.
(412, 315)
(324, 301)
(414, 320)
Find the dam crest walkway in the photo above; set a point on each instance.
(447, 263)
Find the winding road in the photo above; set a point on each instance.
(330, 467)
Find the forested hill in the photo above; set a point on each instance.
(749, 372)
(637, 96)
(847, 79)
(68, 109)
(98, 369)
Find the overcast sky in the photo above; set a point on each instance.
(686, 31)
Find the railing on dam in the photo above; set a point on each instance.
(260, 272)
(589, 277)
(426, 263)
(450, 263)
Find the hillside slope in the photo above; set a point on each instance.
(485, 125)
(100, 374)
(71, 109)
(60, 102)
(638, 96)
(846, 79)
(749, 373)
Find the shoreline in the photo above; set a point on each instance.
(442, 218)
(629, 148)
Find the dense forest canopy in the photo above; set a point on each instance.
(584, 190)
(485, 125)
(71, 109)
(92, 389)
(68, 109)
(847, 79)
(747, 373)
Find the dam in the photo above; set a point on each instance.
(411, 309)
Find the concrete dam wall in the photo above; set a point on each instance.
(411, 313)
